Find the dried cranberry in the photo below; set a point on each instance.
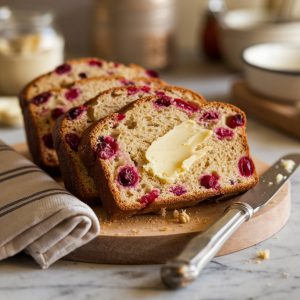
(75, 112)
(41, 98)
(163, 101)
(246, 166)
(209, 116)
(145, 89)
(152, 73)
(224, 133)
(235, 121)
(72, 140)
(160, 93)
(210, 181)
(48, 140)
(82, 75)
(132, 90)
(120, 117)
(126, 82)
(107, 147)
(56, 112)
(178, 190)
(188, 106)
(95, 63)
(149, 198)
(72, 94)
(62, 69)
(128, 176)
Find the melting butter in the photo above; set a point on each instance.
(175, 152)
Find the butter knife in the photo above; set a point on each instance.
(199, 251)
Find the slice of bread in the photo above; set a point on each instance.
(67, 132)
(77, 69)
(43, 110)
(117, 155)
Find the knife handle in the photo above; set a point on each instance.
(186, 267)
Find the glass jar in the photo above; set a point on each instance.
(135, 31)
(30, 45)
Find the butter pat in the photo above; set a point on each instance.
(176, 151)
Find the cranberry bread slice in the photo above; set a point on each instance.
(67, 132)
(41, 113)
(165, 155)
(77, 69)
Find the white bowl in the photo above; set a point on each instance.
(240, 29)
(273, 70)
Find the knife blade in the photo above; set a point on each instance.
(270, 182)
(186, 267)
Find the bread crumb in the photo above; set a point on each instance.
(134, 231)
(181, 217)
(164, 228)
(263, 254)
(270, 183)
(184, 217)
(279, 178)
(163, 212)
(175, 214)
(285, 275)
(288, 164)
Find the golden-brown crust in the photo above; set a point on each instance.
(110, 196)
(24, 95)
(68, 170)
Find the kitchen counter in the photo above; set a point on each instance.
(231, 277)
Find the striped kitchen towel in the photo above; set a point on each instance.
(38, 215)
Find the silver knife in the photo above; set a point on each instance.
(185, 268)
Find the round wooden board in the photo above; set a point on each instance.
(151, 238)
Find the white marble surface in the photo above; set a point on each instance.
(229, 277)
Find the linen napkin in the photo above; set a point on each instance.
(38, 215)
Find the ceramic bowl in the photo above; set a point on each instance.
(273, 70)
(240, 29)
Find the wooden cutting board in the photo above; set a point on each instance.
(282, 115)
(154, 239)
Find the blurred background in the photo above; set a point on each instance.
(77, 19)
(197, 44)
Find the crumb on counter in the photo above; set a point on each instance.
(270, 183)
(263, 254)
(164, 228)
(163, 212)
(182, 216)
(285, 275)
(175, 214)
(288, 164)
(134, 231)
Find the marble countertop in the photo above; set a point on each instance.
(228, 277)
